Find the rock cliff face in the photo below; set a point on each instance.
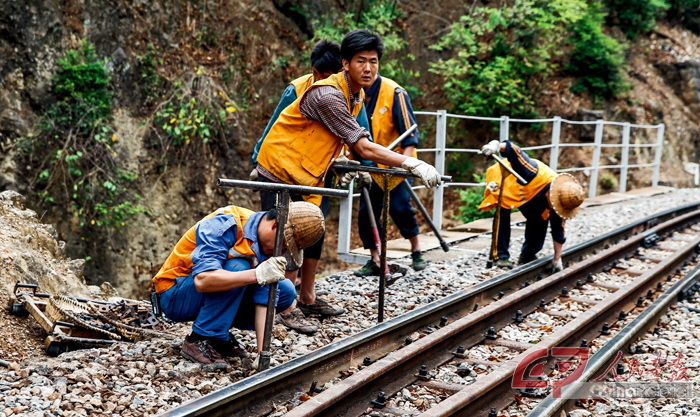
(248, 48)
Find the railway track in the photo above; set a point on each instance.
(462, 334)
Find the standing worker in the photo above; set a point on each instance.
(545, 198)
(218, 274)
(325, 61)
(391, 114)
(311, 132)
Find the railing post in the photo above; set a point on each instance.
(554, 152)
(657, 158)
(593, 185)
(624, 162)
(440, 144)
(503, 131)
(345, 223)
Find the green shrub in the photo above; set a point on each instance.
(635, 17)
(608, 181)
(71, 156)
(597, 59)
(471, 197)
(499, 57)
(194, 113)
(381, 17)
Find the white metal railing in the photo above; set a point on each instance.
(440, 150)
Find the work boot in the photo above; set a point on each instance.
(527, 259)
(203, 353)
(504, 263)
(320, 308)
(418, 262)
(295, 320)
(371, 269)
(229, 349)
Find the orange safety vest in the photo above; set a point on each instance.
(514, 194)
(298, 150)
(179, 263)
(302, 83)
(383, 129)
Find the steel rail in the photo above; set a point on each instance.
(551, 406)
(390, 374)
(252, 395)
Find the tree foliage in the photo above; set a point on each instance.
(597, 60)
(498, 58)
(71, 156)
(635, 17)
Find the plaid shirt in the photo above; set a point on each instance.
(327, 105)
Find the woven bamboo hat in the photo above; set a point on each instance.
(305, 226)
(566, 195)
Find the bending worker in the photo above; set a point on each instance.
(391, 115)
(325, 61)
(218, 274)
(545, 198)
(311, 132)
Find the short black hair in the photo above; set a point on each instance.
(325, 56)
(361, 40)
(271, 214)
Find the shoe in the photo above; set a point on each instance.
(419, 263)
(370, 269)
(229, 349)
(202, 352)
(321, 308)
(527, 259)
(504, 263)
(295, 320)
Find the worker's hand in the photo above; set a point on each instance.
(492, 186)
(271, 270)
(491, 148)
(348, 176)
(365, 179)
(426, 172)
(254, 174)
(557, 265)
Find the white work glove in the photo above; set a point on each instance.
(348, 176)
(271, 270)
(557, 265)
(491, 148)
(426, 172)
(365, 179)
(254, 174)
(492, 186)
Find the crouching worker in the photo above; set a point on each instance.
(547, 198)
(218, 274)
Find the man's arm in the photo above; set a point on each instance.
(211, 253)
(288, 97)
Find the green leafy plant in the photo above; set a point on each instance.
(194, 113)
(498, 57)
(471, 198)
(635, 17)
(71, 156)
(151, 81)
(381, 17)
(597, 59)
(608, 181)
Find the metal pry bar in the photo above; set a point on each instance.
(509, 169)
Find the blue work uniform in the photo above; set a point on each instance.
(214, 313)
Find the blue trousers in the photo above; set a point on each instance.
(400, 209)
(214, 313)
